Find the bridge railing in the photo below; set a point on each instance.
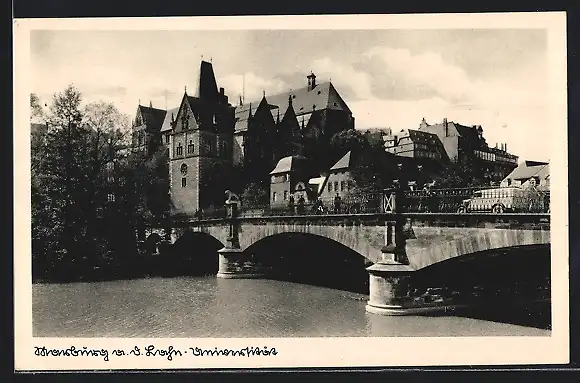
(361, 204)
(477, 199)
(449, 200)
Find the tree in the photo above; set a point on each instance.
(347, 140)
(36, 111)
(255, 194)
(370, 166)
(463, 173)
(72, 183)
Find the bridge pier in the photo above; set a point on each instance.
(388, 289)
(389, 279)
(235, 264)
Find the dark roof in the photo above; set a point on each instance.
(169, 116)
(152, 117)
(469, 132)
(206, 83)
(304, 102)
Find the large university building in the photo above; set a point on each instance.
(206, 136)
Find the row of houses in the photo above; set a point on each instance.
(449, 141)
(290, 182)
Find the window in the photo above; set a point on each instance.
(274, 196)
(335, 185)
(223, 149)
(179, 149)
(111, 197)
(287, 178)
(167, 138)
(190, 147)
(285, 195)
(330, 187)
(342, 186)
(183, 182)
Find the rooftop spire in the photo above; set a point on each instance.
(206, 83)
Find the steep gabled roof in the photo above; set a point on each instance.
(304, 101)
(469, 132)
(152, 117)
(343, 163)
(288, 164)
(206, 84)
(525, 172)
(170, 116)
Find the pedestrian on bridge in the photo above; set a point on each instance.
(301, 205)
(337, 203)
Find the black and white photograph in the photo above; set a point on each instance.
(266, 180)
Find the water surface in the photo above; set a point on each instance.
(211, 307)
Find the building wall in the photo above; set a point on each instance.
(184, 200)
(238, 149)
(280, 187)
(338, 181)
(451, 145)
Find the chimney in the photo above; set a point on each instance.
(446, 127)
(222, 90)
(311, 81)
(505, 147)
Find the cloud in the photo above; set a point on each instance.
(251, 85)
(395, 88)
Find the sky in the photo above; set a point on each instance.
(496, 78)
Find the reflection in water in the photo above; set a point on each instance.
(211, 307)
(316, 287)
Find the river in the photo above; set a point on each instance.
(211, 307)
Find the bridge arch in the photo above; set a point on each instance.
(365, 239)
(311, 259)
(496, 278)
(195, 253)
(432, 245)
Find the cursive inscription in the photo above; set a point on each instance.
(150, 350)
(71, 351)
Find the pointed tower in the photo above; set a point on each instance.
(206, 88)
(201, 146)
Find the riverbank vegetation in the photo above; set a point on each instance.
(90, 192)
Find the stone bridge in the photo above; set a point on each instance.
(429, 238)
(396, 244)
